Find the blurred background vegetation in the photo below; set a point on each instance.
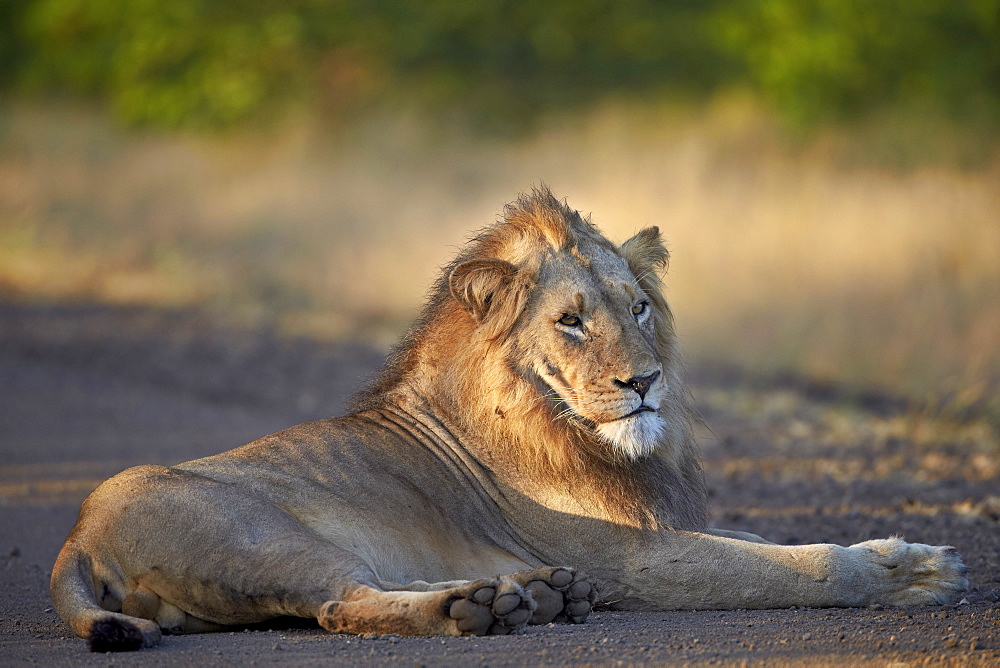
(223, 62)
(826, 171)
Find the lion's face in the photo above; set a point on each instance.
(586, 340)
(580, 321)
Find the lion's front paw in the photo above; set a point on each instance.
(491, 607)
(561, 594)
(917, 574)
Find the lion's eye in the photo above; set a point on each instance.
(640, 308)
(569, 320)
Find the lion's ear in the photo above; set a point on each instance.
(475, 284)
(645, 252)
(489, 290)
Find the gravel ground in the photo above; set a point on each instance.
(86, 391)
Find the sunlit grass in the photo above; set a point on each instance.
(785, 258)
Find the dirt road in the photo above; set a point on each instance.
(88, 391)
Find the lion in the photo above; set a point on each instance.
(532, 423)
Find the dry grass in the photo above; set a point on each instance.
(785, 259)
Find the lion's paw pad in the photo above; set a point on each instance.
(491, 607)
(560, 594)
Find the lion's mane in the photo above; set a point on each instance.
(467, 348)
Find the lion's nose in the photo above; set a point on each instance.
(640, 384)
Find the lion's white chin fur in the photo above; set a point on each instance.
(633, 437)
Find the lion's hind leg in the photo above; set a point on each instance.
(146, 604)
(484, 607)
(560, 594)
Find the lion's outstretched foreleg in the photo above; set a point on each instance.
(681, 570)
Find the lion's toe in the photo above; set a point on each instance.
(491, 607)
(580, 599)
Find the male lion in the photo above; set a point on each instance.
(531, 420)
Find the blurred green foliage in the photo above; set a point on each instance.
(819, 59)
(216, 63)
